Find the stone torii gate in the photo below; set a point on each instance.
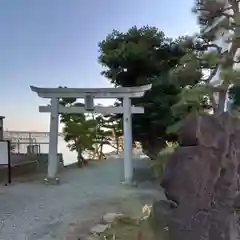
(89, 94)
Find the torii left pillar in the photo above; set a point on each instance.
(53, 161)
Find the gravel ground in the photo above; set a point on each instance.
(33, 211)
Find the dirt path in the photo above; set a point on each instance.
(33, 211)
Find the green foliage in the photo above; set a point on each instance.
(113, 123)
(141, 56)
(230, 76)
(160, 163)
(234, 94)
(81, 132)
(194, 74)
(78, 131)
(150, 128)
(85, 132)
(130, 58)
(192, 99)
(207, 11)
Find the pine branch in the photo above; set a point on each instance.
(212, 45)
(217, 13)
(214, 104)
(235, 5)
(212, 74)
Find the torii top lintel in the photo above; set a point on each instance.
(120, 92)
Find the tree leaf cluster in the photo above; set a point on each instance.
(86, 132)
(141, 56)
(210, 58)
(135, 53)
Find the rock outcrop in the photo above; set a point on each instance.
(202, 177)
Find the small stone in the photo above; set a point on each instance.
(112, 217)
(91, 238)
(99, 228)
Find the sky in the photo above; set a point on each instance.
(51, 43)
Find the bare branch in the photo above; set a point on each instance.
(227, 8)
(219, 88)
(212, 74)
(233, 49)
(221, 101)
(227, 15)
(213, 45)
(235, 5)
(210, 10)
(214, 104)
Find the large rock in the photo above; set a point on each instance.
(99, 228)
(161, 214)
(188, 134)
(202, 177)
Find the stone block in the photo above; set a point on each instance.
(99, 228)
(112, 217)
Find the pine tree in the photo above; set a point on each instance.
(213, 61)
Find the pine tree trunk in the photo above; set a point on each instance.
(117, 143)
(221, 102)
(80, 159)
(152, 149)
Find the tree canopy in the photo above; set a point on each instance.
(180, 70)
(88, 132)
(141, 56)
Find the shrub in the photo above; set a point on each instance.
(160, 163)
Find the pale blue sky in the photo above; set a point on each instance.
(54, 42)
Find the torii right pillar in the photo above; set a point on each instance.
(127, 129)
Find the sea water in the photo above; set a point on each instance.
(69, 157)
